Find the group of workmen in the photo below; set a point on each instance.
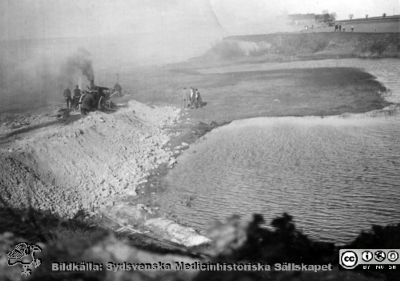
(193, 100)
(339, 28)
(72, 101)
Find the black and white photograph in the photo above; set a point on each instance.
(199, 140)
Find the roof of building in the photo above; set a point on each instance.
(382, 18)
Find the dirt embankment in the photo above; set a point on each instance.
(66, 168)
(291, 46)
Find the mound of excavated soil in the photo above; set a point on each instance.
(65, 168)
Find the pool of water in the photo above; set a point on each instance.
(336, 175)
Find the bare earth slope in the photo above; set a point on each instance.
(82, 165)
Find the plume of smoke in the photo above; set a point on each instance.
(34, 74)
(79, 63)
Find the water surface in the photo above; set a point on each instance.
(336, 175)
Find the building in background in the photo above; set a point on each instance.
(371, 24)
(302, 19)
(311, 22)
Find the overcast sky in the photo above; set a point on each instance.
(69, 18)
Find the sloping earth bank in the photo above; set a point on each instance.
(83, 165)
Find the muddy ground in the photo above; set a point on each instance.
(232, 95)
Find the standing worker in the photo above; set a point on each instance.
(76, 97)
(77, 91)
(117, 89)
(67, 96)
(191, 97)
(198, 100)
